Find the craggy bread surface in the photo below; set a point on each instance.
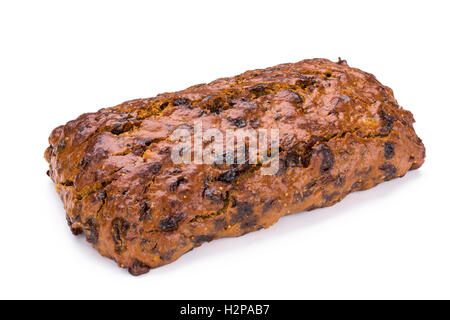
(340, 131)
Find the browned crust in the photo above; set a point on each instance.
(341, 131)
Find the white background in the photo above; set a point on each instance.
(59, 59)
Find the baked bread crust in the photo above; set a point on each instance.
(340, 131)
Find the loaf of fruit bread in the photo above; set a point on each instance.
(339, 129)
